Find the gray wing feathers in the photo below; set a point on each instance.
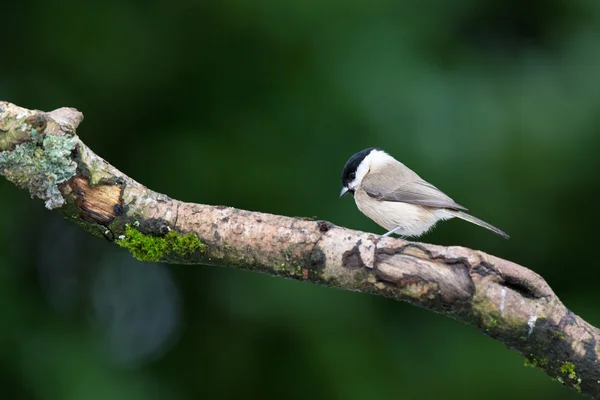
(477, 221)
(401, 184)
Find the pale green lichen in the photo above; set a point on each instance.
(40, 167)
(156, 248)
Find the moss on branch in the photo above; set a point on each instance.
(150, 248)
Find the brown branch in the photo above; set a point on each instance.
(41, 153)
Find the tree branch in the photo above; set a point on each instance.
(41, 152)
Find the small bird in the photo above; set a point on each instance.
(396, 198)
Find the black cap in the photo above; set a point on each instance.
(349, 171)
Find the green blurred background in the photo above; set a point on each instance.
(258, 105)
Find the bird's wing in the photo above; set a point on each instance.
(400, 184)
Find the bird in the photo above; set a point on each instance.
(396, 198)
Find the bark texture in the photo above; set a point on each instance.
(41, 153)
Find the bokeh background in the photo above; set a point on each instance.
(258, 105)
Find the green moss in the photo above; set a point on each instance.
(531, 361)
(559, 336)
(183, 244)
(568, 368)
(154, 248)
(577, 386)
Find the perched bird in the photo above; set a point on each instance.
(396, 198)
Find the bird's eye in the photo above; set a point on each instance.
(352, 175)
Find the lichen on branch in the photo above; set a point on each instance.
(41, 166)
(35, 154)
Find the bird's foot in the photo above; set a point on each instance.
(393, 231)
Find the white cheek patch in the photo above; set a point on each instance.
(361, 171)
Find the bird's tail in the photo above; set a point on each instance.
(476, 221)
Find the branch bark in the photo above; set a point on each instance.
(41, 152)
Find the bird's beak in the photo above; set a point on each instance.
(344, 191)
